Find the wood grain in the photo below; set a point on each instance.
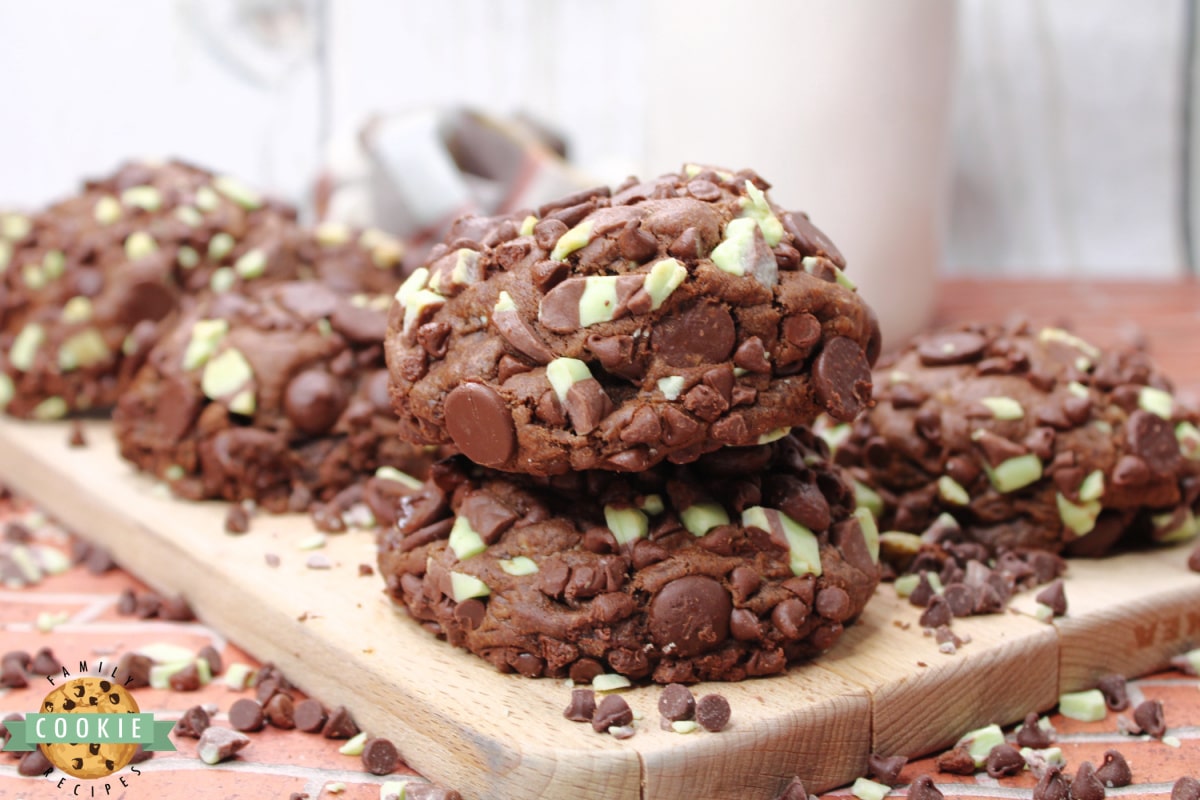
(459, 722)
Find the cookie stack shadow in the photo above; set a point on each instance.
(627, 376)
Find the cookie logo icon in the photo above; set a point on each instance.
(101, 756)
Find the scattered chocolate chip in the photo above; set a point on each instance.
(611, 711)
(210, 654)
(842, 378)
(1086, 786)
(1052, 785)
(1149, 717)
(309, 715)
(175, 609)
(1194, 560)
(676, 702)
(339, 725)
(44, 662)
(365, 570)
(34, 763)
(582, 706)
(956, 762)
(945, 349)
(380, 756)
(147, 605)
(127, 603)
(923, 788)
(1054, 597)
(712, 712)
(1004, 761)
(193, 722)
(77, 437)
(885, 769)
(136, 670)
(246, 715)
(218, 744)
(237, 519)
(99, 561)
(1032, 734)
(1114, 772)
(186, 679)
(280, 711)
(1115, 695)
(1186, 788)
(937, 613)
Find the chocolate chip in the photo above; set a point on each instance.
(1032, 734)
(246, 715)
(218, 744)
(340, 724)
(313, 401)
(834, 603)
(809, 239)
(885, 769)
(923, 788)
(1186, 788)
(134, 667)
(99, 561)
(611, 711)
(1052, 785)
(712, 712)
(280, 711)
(480, 424)
(1114, 690)
(176, 609)
(1153, 439)
(237, 519)
(586, 405)
(582, 706)
(521, 336)
(690, 615)
(1086, 786)
(944, 349)
(34, 763)
(585, 669)
(547, 232)
(380, 756)
(676, 702)
(359, 324)
(636, 244)
(186, 679)
(1054, 596)
(703, 334)
(842, 379)
(801, 330)
(309, 715)
(1004, 761)
(937, 613)
(1149, 717)
(1115, 770)
(956, 762)
(193, 722)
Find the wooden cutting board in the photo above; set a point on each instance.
(884, 687)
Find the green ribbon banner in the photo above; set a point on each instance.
(38, 729)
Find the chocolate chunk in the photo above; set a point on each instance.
(246, 715)
(380, 756)
(1054, 596)
(1149, 717)
(676, 702)
(712, 712)
(586, 404)
(956, 762)
(480, 424)
(1152, 438)
(237, 519)
(1052, 785)
(611, 711)
(218, 744)
(842, 379)
(193, 722)
(1085, 785)
(1115, 695)
(1032, 734)
(885, 769)
(1114, 772)
(309, 715)
(937, 613)
(1004, 761)
(704, 334)
(186, 679)
(636, 244)
(960, 347)
(339, 725)
(582, 706)
(690, 615)
(923, 788)
(522, 337)
(314, 401)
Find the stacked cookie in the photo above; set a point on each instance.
(621, 372)
(86, 284)
(1026, 437)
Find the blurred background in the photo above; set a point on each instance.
(978, 137)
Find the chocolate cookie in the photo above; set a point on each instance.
(729, 567)
(613, 330)
(279, 396)
(1028, 437)
(85, 284)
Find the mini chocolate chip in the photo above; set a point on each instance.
(611, 711)
(712, 712)
(1115, 770)
(193, 722)
(1149, 717)
(582, 706)
(246, 715)
(1114, 690)
(340, 724)
(1052, 785)
(885, 769)
(380, 756)
(1004, 761)
(1086, 786)
(842, 379)
(480, 424)
(923, 788)
(676, 702)
(309, 715)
